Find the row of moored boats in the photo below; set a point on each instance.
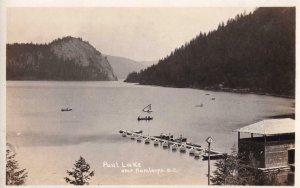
(167, 142)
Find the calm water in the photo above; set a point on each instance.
(48, 141)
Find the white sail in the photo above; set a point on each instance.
(147, 109)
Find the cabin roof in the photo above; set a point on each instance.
(270, 127)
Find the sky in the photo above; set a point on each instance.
(138, 33)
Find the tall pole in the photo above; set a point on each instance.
(209, 140)
(208, 179)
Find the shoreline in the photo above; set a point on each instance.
(229, 90)
(291, 115)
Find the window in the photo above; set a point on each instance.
(291, 156)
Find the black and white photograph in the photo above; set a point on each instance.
(148, 94)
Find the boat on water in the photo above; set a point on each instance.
(132, 137)
(165, 145)
(138, 132)
(147, 140)
(197, 154)
(214, 155)
(165, 137)
(192, 151)
(66, 109)
(170, 137)
(148, 110)
(182, 149)
(147, 118)
(180, 139)
(139, 139)
(174, 147)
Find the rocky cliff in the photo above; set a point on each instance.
(68, 58)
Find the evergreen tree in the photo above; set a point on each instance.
(232, 170)
(80, 174)
(14, 176)
(226, 171)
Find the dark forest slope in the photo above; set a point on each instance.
(251, 53)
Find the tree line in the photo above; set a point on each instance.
(251, 53)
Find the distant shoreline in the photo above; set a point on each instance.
(292, 116)
(241, 91)
(229, 90)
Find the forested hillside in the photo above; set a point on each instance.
(250, 53)
(68, 58)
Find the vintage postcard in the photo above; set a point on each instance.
(148, 93)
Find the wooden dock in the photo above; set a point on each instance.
(196, 151)
(130, 133)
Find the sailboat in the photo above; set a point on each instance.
(148, 110)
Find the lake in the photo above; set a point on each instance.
(48, 141)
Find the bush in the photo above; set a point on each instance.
(14, 176)
(80, 174)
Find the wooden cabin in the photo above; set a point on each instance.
(269, 146)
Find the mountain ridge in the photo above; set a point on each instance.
(252, 53)
(66, 58)
(123, 66)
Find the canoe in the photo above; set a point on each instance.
(214, 156)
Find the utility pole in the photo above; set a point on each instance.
(209, 140)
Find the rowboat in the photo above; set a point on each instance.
(214, 155)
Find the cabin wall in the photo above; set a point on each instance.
(276, 153)
(271, 158)
(253, 152)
